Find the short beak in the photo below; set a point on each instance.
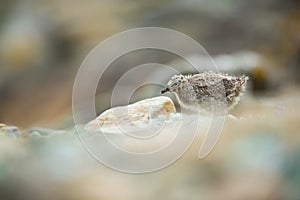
(165, 90)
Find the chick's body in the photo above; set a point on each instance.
(206, 90)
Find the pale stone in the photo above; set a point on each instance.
(11, 131)
(146, 113)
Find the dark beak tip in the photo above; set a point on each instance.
(164, 91)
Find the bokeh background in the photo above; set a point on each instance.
(42, 44)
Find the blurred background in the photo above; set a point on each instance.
(42, 44)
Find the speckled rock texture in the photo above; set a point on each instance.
(142, 114)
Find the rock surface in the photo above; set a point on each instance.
(148, 113)
(11, 131)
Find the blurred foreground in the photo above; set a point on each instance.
(257, 157)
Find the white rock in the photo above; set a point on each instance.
(11, 131)
(150, 113)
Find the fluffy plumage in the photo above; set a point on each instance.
(207, 89)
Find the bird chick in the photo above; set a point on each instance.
(206, 90)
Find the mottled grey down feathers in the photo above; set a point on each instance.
(207, 90)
